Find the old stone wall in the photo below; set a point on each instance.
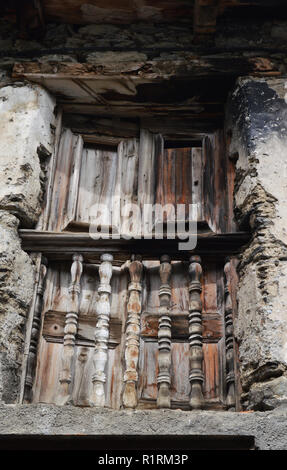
(26, 116)
(141, 41)
(257, 121)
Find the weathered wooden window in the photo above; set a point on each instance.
(134, 323)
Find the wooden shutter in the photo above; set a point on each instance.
(66, 181)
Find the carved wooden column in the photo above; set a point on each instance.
(229, 341)
(36, 323)
(102, 330)
(196, 377)
(164, 335)
(135, 268)
(70, 330)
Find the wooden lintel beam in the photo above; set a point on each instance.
(60, 245)
(193, 67)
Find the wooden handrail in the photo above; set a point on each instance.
(60, 245)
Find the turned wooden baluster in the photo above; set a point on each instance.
(32, 355)
(70, 330)
(135, 268)
(229, 341)
(102, 330)
(196, 377)
(164, 335)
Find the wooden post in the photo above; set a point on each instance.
(70, 331)
(196, 377)
(102, 330)
(229, 341)
(36, 322)
(164, 335)
(135, 268)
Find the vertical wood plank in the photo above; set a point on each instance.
(52, 170)
(150, 149)
(64, 164)
(196, 180)
(74, 178)
(174, 180)
(127, 187)
(208, 181)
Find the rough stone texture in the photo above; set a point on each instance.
(269, 428)
(154, 39)
(257, 118)
(16, 290)
(26, 115)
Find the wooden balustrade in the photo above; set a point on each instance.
(166, 326)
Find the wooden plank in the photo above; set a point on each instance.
(211, 370)
(54, 323)
(174, 177)
(212, 327)
(54, 244)
(97, 185)
(65, 190)
(208, 182)
(196, 180)
(127, 187)
(74, 179)
(149, 147)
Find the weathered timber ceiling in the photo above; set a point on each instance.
(33, 14)
(162, 92)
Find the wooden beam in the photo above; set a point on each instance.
(60, 245)
(212, 326)
(54, 325)
(194, 65)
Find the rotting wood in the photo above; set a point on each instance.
(53, 163)
(211, 325)
(60, 246)
(196, 376)
(35, 331)
(102, 331)
(71, 325)
(54, 324)
(192, 65)
(135, 268)
(164, 335)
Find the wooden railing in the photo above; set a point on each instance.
(53, 247)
